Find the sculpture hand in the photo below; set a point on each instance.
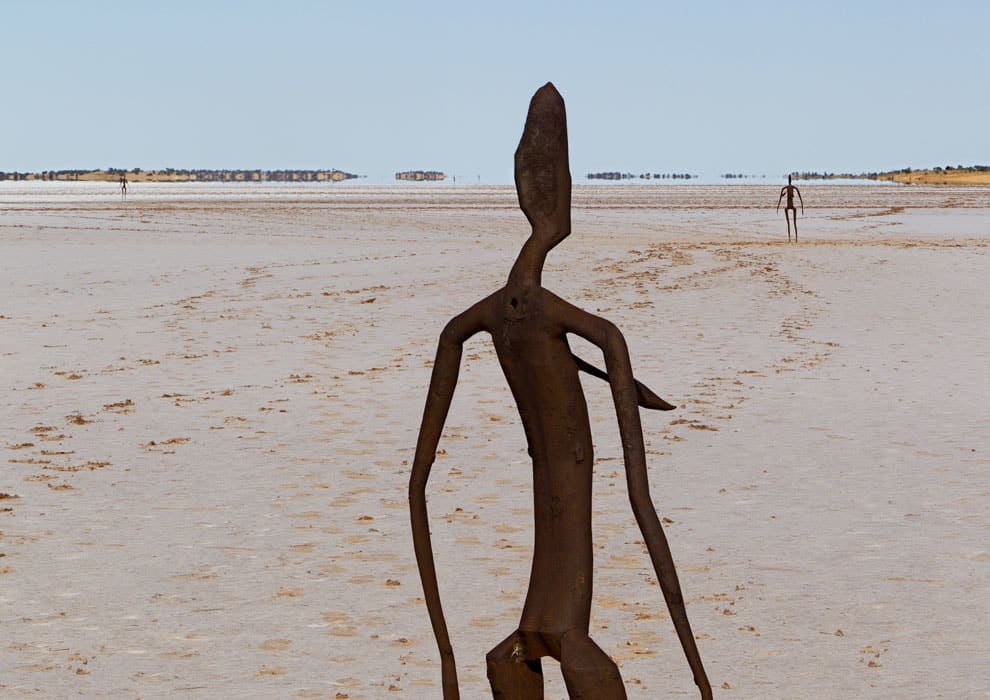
(448, 672)
(705, 687)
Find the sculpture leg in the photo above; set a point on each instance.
(795, 225)
(589, 673)
(511, 675)
(787, 220)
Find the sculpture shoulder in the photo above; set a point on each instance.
(478, 317)
(556, 303)
(574, 319)
(561, 306)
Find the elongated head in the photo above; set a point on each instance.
(543, 177)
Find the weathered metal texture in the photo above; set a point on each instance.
(790, 190)
(529, 327)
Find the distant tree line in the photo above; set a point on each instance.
(738, 176)
(198, 175)
(815, 175)
(615, 175)
(419, 175)
(45, 175)
(971, 168)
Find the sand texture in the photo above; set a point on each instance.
(211, 396)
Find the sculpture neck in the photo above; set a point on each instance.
(527, 271)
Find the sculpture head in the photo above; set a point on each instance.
(788, 179)
(543, 177)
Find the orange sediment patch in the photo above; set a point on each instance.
(90, 465)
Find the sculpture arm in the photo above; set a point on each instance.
(798, 192)
(782, 191)
(644, 395)
(441, 392)
(609, 339)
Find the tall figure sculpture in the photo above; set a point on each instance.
(123, 185)
(529, 327)
(790, 190)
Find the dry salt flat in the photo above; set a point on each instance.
(211, 396)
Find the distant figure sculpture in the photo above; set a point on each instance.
(790, 191)
(123, 185)
(529, 326)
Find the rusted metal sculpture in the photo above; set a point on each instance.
(790, 191)
(529, 327)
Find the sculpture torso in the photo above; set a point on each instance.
(789, 189)
(543, 376)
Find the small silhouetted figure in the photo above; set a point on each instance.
(790, 190)
(529, 326)
(123, 185)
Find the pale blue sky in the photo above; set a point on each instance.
(373, 87)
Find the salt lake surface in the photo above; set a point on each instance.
(211, 394)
